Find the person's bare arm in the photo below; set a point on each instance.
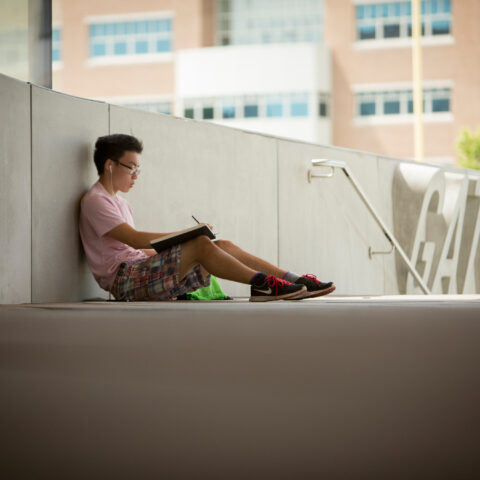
(149, 251)
(140, 240)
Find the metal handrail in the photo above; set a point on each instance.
(325, 162)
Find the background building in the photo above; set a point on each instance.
(326, 71)
(124, 51)
(372, 71)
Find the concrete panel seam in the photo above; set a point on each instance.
(278, 200)
(31, 189)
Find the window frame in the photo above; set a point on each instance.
(147, 29)
(262, 102)
(399, 12)
(266, 22)
(404, 96)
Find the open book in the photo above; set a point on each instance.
(183, 236)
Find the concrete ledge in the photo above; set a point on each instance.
(340, 388)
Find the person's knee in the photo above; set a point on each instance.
(226, 245)
(202, 243)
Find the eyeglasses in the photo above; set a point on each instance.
(133, 170)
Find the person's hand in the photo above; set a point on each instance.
(209, 226)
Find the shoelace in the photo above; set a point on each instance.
(276, 282)
(310, 276)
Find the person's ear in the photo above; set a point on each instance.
(108, 166)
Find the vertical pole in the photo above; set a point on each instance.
(40, 42)
(417, 79)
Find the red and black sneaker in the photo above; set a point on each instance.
(315, 288)
(274, 288)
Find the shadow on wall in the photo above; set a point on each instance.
(85, 160)
(436, 219)
(81, 257)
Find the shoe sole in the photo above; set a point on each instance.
(318, 293)
(287, 296)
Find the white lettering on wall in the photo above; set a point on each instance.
(444, 210)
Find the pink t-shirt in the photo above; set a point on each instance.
(100, 212)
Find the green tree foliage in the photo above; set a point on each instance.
(468, 149)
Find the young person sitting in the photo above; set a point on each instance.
(123, 263)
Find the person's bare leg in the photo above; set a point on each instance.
(215, 260)
(250, 260)
(204, 272)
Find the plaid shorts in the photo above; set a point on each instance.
(156, 278)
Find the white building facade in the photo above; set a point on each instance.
(278, 89)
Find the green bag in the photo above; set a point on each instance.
(212, 292)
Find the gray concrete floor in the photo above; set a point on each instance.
(336, 387)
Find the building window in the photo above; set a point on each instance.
(228, 111)
(274, 105)
(56, 43)
(120, 48)
(366, 32)
(299, 105)
(207, 113)
(400, 102)
(250, 111)
(367, 108)
(274, 110)
(441, 105)
(148, 106)
(281, 105)
(389, 20)
(391, 31)
(440, 100)
(391, 107)
(141, 46)
(441, 27)
(130, 37)
(299, 109)
(322, 100)
(241, 22)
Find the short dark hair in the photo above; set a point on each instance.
(113, 147)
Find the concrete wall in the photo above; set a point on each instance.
(222, 176)
(15, 192)
(64, 130)
(253, 188)
(328, 231)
